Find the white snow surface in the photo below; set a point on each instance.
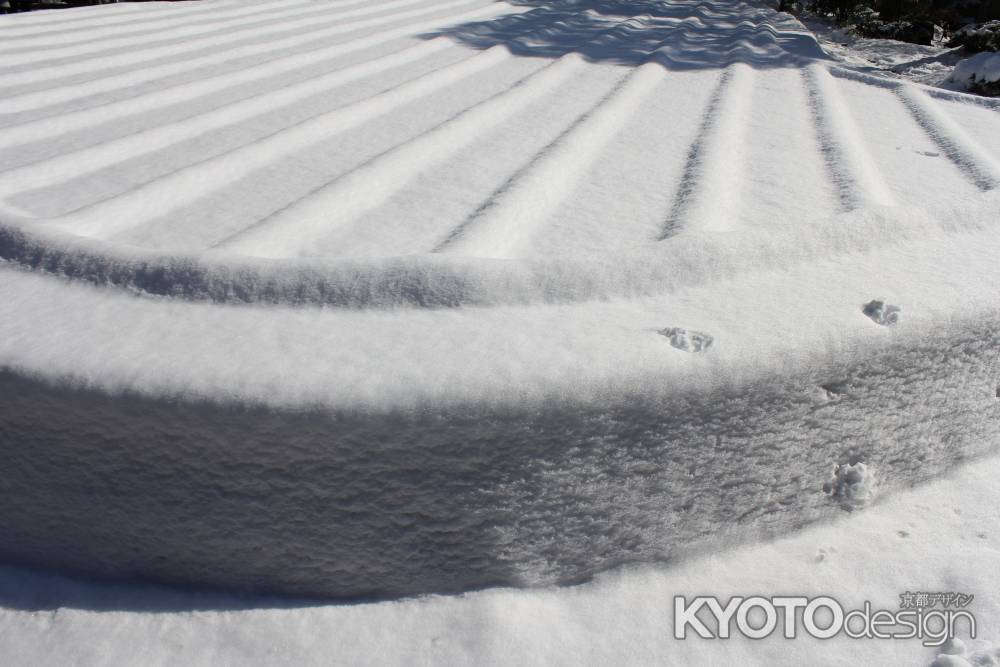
(940, 537)
(512, 163)
(291, 252)
(980, 68)
(930, 65)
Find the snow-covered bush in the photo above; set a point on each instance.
(869, 23)
(905, 22)
(979, 74)
(916, 21)
(793, 7)
(976, 38)
(893, 10)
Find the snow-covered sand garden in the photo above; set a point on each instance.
(419, 297)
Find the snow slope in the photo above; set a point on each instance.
(376, 289)
(941, 536)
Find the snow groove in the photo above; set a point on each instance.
(151, 26)
(97, 41)
(75, 120)
(980, 167)
(519, 210)
(293, 231)
(504, 225)
(708, 194)
(306, 17)
(88, 160)
(135, 76)
(226, 168)
(858, 181)
(33, 26)
(160, 196)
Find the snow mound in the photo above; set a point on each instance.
(980, 72)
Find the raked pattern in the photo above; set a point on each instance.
(318, 133)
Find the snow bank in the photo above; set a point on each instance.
(978, 71)
(361, 503)
(938, 537)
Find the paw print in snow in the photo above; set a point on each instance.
(974, 653)
(689, 341)
(852, 486)
(881, 312)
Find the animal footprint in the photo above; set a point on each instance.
(881, 312)
(689, 341)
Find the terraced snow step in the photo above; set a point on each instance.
(358, 298)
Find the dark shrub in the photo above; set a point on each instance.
(978, 38)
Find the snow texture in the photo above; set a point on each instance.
(928, 65)
(362, 299)
(969, 653)
(980, 68)
(940, 536)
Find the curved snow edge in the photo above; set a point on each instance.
(449, 281)
(407, 502)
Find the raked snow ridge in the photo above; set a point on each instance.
(426, 247)
(269, 100)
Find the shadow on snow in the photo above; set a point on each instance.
(681, 35)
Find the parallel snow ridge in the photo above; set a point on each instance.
(218, 134)
(708, 195)
(851, 167)
(115, 81)
(506, 221)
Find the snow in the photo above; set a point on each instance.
(940, 536)
(882, 313)
(853, 484)
(980, 68)
(689, 341)
(927, 65)
(935, 65)
(397, 299)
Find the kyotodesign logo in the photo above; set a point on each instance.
(930, 617)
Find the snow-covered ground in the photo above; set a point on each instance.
(419, 296)
(942, 536)
(929, 65)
